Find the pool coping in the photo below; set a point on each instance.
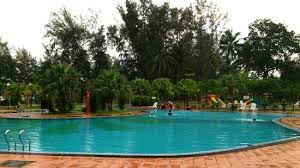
(203, 153)
(79, 117)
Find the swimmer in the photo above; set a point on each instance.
(170, 113)
(254, 119)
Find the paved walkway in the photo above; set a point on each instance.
(278, 156)
(294, 122)
(38, 115)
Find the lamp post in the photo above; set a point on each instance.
(87, 103)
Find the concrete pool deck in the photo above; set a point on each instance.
(286, 155)
(38, 115)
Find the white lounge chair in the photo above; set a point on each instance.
(243, 107)
(296, 105)
(154, 105)
(253, 107)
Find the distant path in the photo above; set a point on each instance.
(39, 115)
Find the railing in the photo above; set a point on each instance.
(20, 135)
(7, 132)
(20, 138)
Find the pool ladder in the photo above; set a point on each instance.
(8, 133)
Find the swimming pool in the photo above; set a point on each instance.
(151, 134)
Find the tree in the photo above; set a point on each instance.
(290, 71)
(7, 64)
(15, 90)
(26, 66)
(163, 88)
(97, 49)
(187, 88)
(67, 37)
(141, 87)
(209, 25)
(31, 91)
(2, 88)
(60, 86)
(267, 47)
(229, 45)
(233, 86)
(110, 84)
(158, 41)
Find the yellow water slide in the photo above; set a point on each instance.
(217, 101)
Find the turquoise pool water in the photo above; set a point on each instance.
(155, 133)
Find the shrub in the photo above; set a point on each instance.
(142, 101)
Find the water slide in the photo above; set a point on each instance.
(217, 101)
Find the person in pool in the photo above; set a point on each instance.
(170, 113)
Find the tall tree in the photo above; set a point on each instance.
(160, 41)
(7, 64)
(209, 25)
(229, 45)
(26, 66)
(267, 47)
(98, 49)
(67, 39)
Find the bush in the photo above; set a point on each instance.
(142, 101)
(97, 102)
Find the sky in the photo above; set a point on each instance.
(22, 23)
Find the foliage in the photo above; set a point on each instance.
(290, 71)
(141, 87)
(31, 91)
(75, 40)
(142, 101)
(229, 45)
(15, 90)
(97, 50)
(187, 88)
(60, 87)
(267, 47)
(7, 64)
(159, 41)
(110, 85)
(163, 88)
(2, 88)
(233, 86)
(26, 66)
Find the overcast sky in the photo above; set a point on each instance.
(22, 22)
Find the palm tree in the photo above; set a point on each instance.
(111, 84)
(61, 86)
(229, 45)
(162, 64)
(141, 87)
(163, 88)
